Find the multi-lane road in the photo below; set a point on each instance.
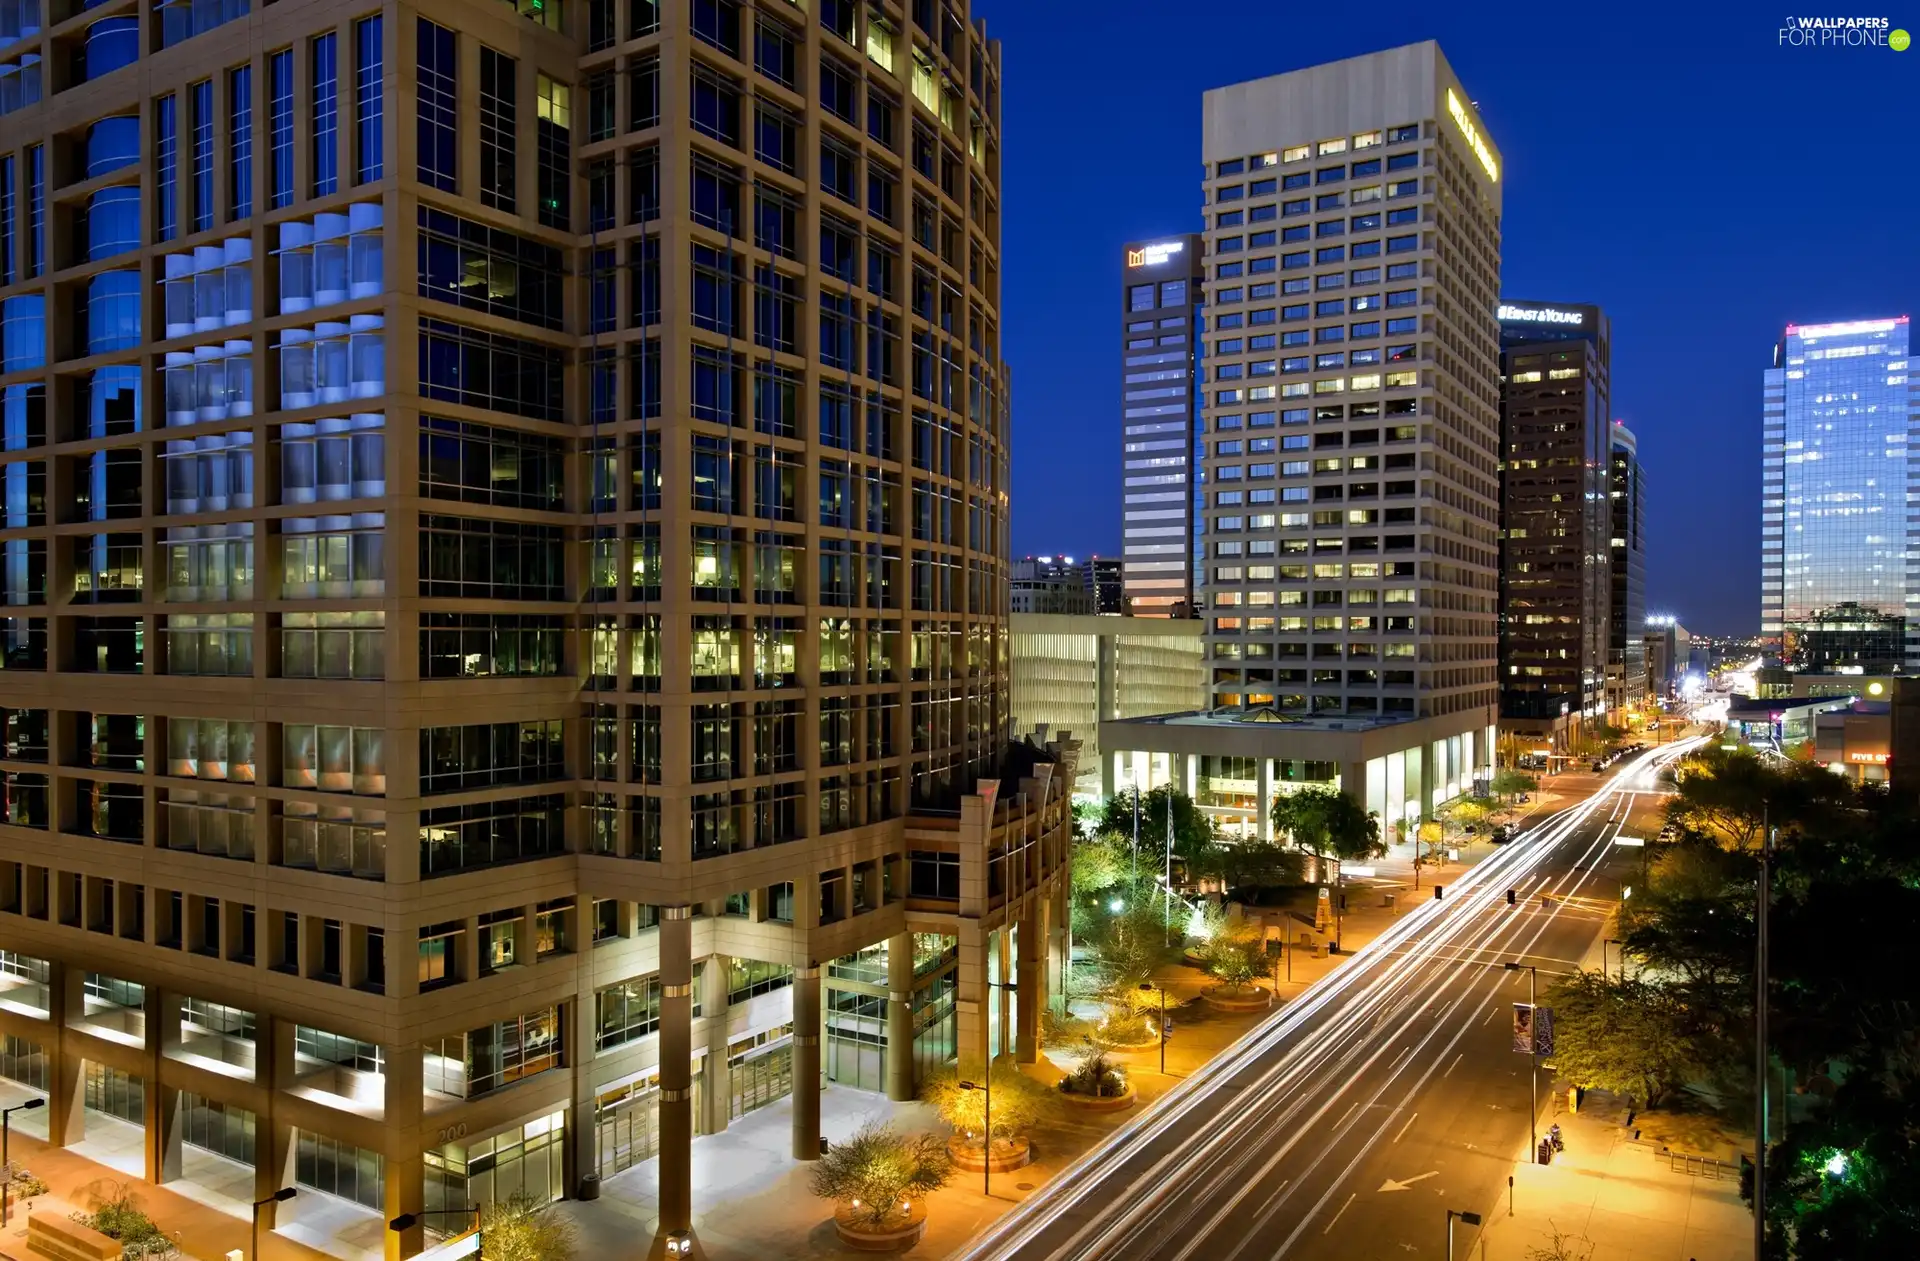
(1383, 1096)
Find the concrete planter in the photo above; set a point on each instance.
(1225, 999)
(1100, 1103)
(1007, 1156)
(857, 1235)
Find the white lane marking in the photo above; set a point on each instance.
(1403, 1129)
(1454, 1065)
(1336, 1216)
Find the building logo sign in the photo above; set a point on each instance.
(1870, 759)
(1472, 134)
(1842, 32)
(1541, 315)
(1154, 255)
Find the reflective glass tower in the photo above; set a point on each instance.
(1837, 430)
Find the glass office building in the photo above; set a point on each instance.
(1160, 297)
(1838, 426)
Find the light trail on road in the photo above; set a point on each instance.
(1174, 1182)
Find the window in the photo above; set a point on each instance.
(500, 560)
(369, 150)
(553, 156)
(200, 152)
(489, 834)
(490, 370)
(490, 755)
(240, 142)
(325, 67)
(437, 141)
(489, 269)
(717, 22)
(497, 100)
(279, 129)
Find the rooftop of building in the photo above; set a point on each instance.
(1267, 716)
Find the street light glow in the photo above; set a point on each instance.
(1837, 1164)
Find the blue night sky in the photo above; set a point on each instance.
(1700, 182)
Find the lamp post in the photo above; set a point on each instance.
(1453, 1215)
(278, 1197)
(407, 1221)
(1533, 1057)
(1148, 987)
(1612, 941)
(985, 1087)
(6, 1161)
(6, 1119)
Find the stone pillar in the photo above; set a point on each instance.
(162, 1113)
(716, 1087)
(1263, 798)
(1028, 992)
(273, 1135)
(66, 1098)
(806, 1062)
(900, 1063)
(1060, 943)
(405, 1181)
(583, 1127)
(1353, 782)
(970, 995)
(676, 1068)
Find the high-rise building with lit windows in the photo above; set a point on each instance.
(505, 573)
(1836, 547)
(1161, 287)
(1555, 563)
(1627, 570)
(1351, 405)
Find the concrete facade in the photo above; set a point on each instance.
(503, 662)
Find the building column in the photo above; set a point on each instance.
(901, 1086)
(1109, 773)
(806, 1062)
(66, 1094)
(162, 1111)
(405, 1177)
(273, 1135)
(1028, 990)
(583, 1126)
(1353, 782)
(1263, 798)
(716, 1087)
(1060, 941)
(1001, 994)
(676, 1068)
(970, 995)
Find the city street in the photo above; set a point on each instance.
(1383, 1097)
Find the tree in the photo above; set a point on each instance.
(1561, 1246)
(524, 1228)
(1252, 864)
(1734, 795)
(1018, 1103)
(1511, 783)
(1432, 835)
(877, 1173)
(1131, 946)
(1233, 951)
(1327, 823)
(1631, 1038)
(1193, 831)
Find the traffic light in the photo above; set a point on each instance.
(1511, 898)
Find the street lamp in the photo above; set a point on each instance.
(6, 1119)
(1471, 1219)
(1148, 987)
(985, 1087)
(407, 1221)
(1533, 1057)
(6, 1162)
(278, 1197)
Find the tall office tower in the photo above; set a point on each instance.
(1160, 297)
(1352, 408)
(464, 701)
(1839, 418)
(1556, 581)
(1627, 683)
(1106, 578)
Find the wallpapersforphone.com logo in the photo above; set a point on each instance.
(1842, 32)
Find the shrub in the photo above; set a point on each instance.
(1018, 1102)
(523, 1228)
(877, 1172)
(117, 1215)
(1234, 951)
(1096, 1076)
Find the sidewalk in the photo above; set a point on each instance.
(201, 1230)
(1618, 1196)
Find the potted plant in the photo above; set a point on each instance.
(880, 1180)
(1017, 1102)
(1097, 1084)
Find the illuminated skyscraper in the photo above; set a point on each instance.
(1839, 419)
(1160, 300)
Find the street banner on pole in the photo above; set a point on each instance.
(1543, 1031)
(1523, 1028)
